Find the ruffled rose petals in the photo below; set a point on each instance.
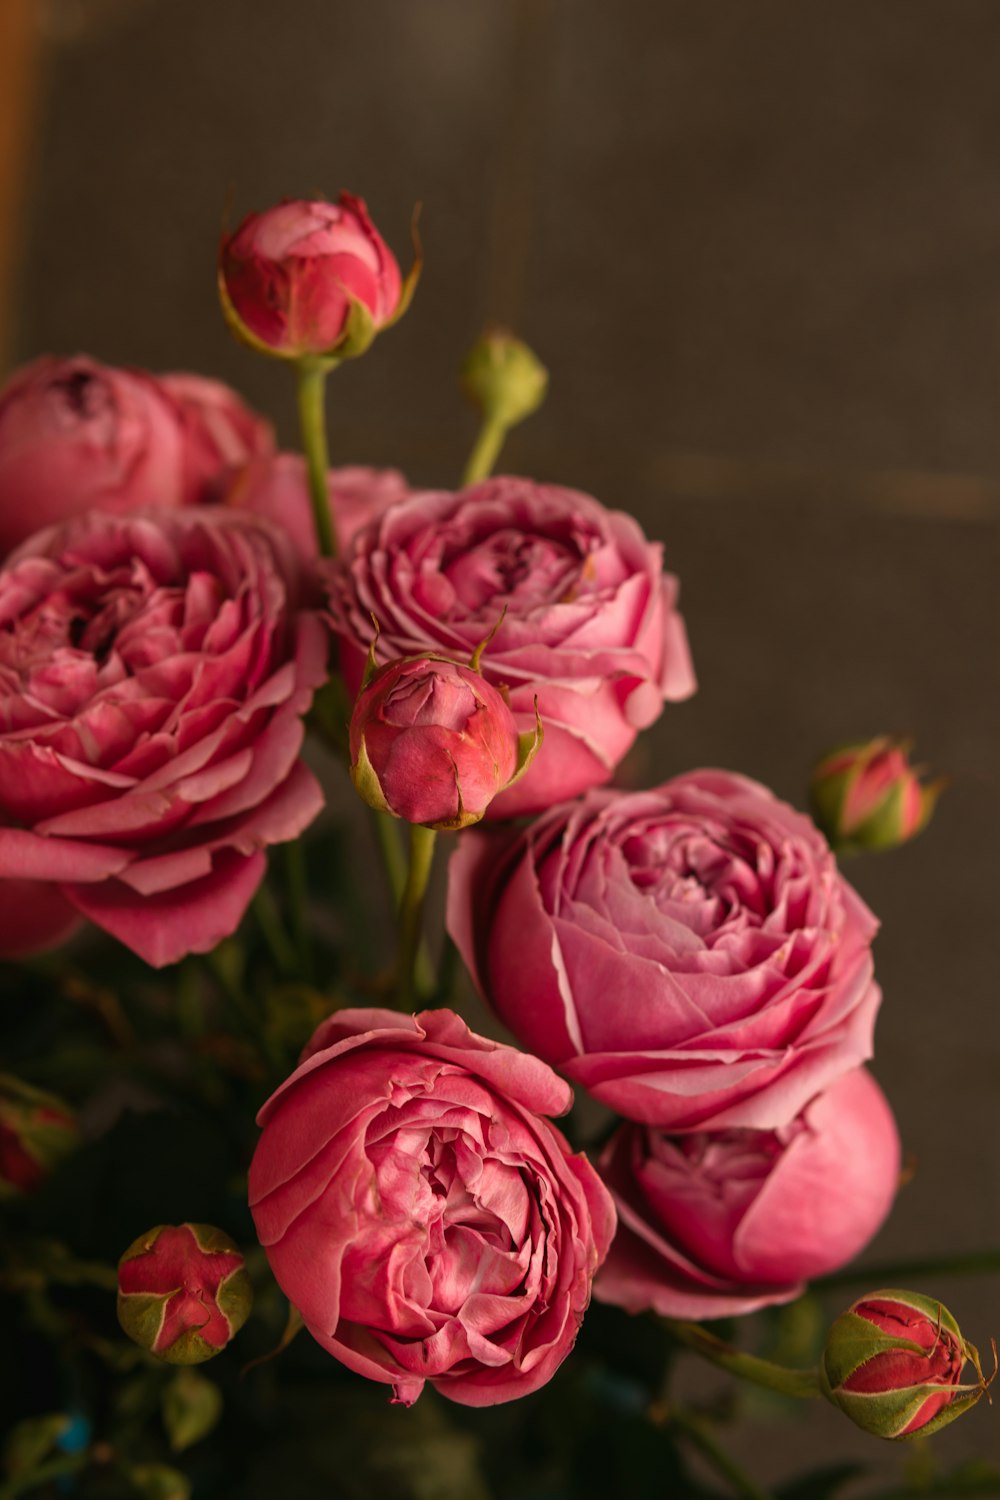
(420, 1211)
(154, 674)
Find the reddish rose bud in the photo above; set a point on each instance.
(433, 742)
(183, 1292)
(868, 796)
(893, 1364)
(36, 1131)
(310, 280)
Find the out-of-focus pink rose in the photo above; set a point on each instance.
(714, 1225)
(690, 955)
(278, 488)
(421, 1213)
(590, 629)
(76, 435)
(292, 274)
(432, 742)
(154, 671)
(37, 1130)
(220, 436)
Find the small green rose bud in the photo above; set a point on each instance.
(36, 1131)
(503, 378)
(868, 797)
(183, 1292)
(893, 1363)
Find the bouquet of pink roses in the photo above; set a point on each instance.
(201, 640)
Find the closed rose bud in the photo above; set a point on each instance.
(868, 796)
(310, 279)
(183, 1292)
(893, 1364)
(432, 742)
(36, 1131)
(504, 378)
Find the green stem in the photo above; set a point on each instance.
(787, 1382)
(279, 944)
(411, 909)
(298, 894)
(701, 1437)
(485, 451)
(312, 421)
(906, 1272)
(385, 828)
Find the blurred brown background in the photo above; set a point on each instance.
(757, 242)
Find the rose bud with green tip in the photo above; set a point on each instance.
(36, 1131)
(893, 1364)
(433, 742)
(504, 378)
(183, 1292)
(311, 280)
(868, 796)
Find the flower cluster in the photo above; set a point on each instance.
(690, 955)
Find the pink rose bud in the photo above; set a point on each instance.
(893, 1363)
(433, 742)
(868, 796)
(310, 280)
(36, 1131)
(183, 1292)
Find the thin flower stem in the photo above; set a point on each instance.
(312, 421)
(788, 1382)
(906, 1272)
(411, 909)
(485, 451)
(701, 1437)
(279, 944)
(298, 896)
(385, 828)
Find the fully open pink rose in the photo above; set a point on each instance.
(154, 671)
(714, 1225)
(279, 489)
(690, 955)
(421, 1213)
(291, 273)
(590, 629)
(75, 434)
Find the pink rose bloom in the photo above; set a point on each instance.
(76, 435)
(279, 489)
(292, 273)
(421, 1213)
(591, 627)
(690, 955)
(710, 1226)
(220, 436)
(154, 671)
(432, 742)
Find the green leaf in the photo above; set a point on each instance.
(160, 1482)
(192, 1405)
(31, 1441)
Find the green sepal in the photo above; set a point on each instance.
(357, 337)
(239, 329)
(366, 782)
(528, 745)
(409, 283)
(886, 1414)
(141, 1317)
(235, 1298)
(477, 655)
